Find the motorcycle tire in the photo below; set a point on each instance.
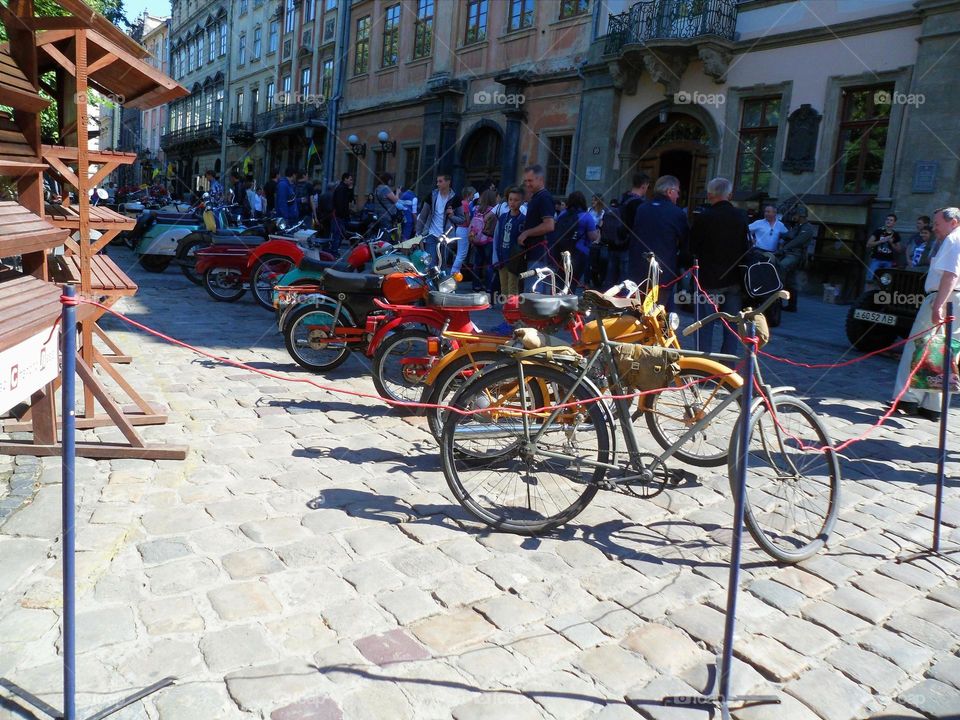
(186, 257)
(155, 263)
(273, 267)
(215, 287)
(395, 381)
(315, 360)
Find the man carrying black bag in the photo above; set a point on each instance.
(718, 240)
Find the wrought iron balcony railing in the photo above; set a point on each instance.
(241, 132)
(671, 20)
(204, 133)
(289, 116)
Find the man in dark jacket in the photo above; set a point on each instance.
(287, 205)
(343, 198)
(659, 226)
(270, 191)
(791, 254)
(718, 240)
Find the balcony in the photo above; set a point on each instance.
(668, 20)
(204, 135)
(241, 133)
(293, 116)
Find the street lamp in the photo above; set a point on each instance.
(386, 144)
(359, 149)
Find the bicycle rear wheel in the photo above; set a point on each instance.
(496, 470)
(454, 376)
(793, 484)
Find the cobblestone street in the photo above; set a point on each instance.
(307, 560)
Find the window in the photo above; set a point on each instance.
(254, 102)
(361, 52)
(304, 84)
(285, 86)
(243, 6)
(558, 164)
(200, 49)
(257, 42)
(289, 17)
(271, 90)
(211, 44)
(190, 56)
(423, 30)
(391, 37)
(242, 49)
(218, 107)
(274, 40)
(862, 139)
(208, 108)
(329, 29)
(411, 167)
(331, 4)
(238, 117)
(326, 79)
(572, 8)
(476, 21)
(309, 10)
(223, 39)
(759, 121)
(521, 14)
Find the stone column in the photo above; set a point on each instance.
(599, 118)
(514, 85)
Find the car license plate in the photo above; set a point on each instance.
(876, 317)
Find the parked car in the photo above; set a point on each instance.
(882, 315)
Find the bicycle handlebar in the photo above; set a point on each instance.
(745, 315)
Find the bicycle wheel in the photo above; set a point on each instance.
(671, 413)
(792, 492)
(307, 335)
(264, 275)
(450, 380)
(505, 479)
(400, 365)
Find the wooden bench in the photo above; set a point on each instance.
(17, 157)
(22, 231)
(18, 92)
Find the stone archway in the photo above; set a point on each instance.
(481, 155)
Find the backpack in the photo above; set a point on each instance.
(628, 211)
(610, 228)
(564, 236)
(477, 232)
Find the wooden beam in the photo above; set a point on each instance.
(61, 59)
(47, 37)
(99, 451)
(55, 23)
(101, 63)
(93, 385)
(105, 169)
(65, 172)
(101, 243)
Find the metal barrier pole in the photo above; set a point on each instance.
(696, 302)
(944, 415)
(68, 474)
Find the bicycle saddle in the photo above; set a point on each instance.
(618, 303)
(346, 282)
(450, 300)
(544, 307)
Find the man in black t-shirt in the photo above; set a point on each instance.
(884, 245)
(539, 223)
(343, 198)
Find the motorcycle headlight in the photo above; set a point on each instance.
(448, 286)
(673, 320)
(886, 279)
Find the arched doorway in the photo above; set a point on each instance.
(481, 158)
(681, 147)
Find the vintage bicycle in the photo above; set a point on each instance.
(534, 445)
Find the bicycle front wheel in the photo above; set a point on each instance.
(518, 470)
(793, 479)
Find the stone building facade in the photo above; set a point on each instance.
(153, 122)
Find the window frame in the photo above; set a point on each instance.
(561, 166)
(257, 43)
(273, 37)
(305, 82)
(289, 16)
(223, 39)
(238, 107)
(390, 37)
(364, 44)
(518, 10)
(423, 29)
(566, 13)
(868, 125)
(758, 132)
(476, 10)
(326, 79)
(271, 94)
(410, 178)
(242, 49)
(309, 10)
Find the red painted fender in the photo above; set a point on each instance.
(417, 316)
(279, 247)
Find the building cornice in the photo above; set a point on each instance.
(830, 32)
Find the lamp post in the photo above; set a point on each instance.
(358, 148)
(386, 144)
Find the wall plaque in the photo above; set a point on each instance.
(925, 176)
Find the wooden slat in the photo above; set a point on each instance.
(95, 156)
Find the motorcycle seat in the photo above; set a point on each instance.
(312, 265)
(451, 300)
(339, 281)
(170, 218)
(545, 307)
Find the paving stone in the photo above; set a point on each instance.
(240, 601)
(834, 619)
(299, 634)
(667, 649)
(408, 604)
(235, 647)
(489, 664)
(888, 589)
(803, 636)
(160, 551)
(342, 664)
(701, 622)
(509, 612)
(295, 588)
(315, 708)
(40, 518)
(866, 668)
(744, 679)
(465, 550)
(238, 510)
(614, 667)
(378, 700)
(250, 563)
(578, 630)
(860, 604)
(355, 618)
(170, 615)
(773, 659)
(323, 549)
(947, 595)
(828, 569)
(543, 648)
(374, 540)
(391, 647)
(829, 694)
(902, 652)
(933, 698)
(275, 531)
(564, 694)
(175, 521)
(162, 658)
(453, 630)
(923, 632)
(464, 586)
(807, 584)
(25, 624)
(687, 589)
(938, 614)
(789, 709)
(496, 706)
(194, 700)
(268, 687)
(104, 626)
(946, 670)
(614, 620)
(181, 576)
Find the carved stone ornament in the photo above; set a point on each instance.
(801, 153)
(716, 62)
(625, 76)
(666, 69)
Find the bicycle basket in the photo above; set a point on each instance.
(762, 329)
(646, 367)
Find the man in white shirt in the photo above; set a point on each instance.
(441, 211)
(941, 288)
(766, 231)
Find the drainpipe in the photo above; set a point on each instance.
(339, 77)
(575, 154)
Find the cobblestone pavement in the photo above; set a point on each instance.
(308, 561)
